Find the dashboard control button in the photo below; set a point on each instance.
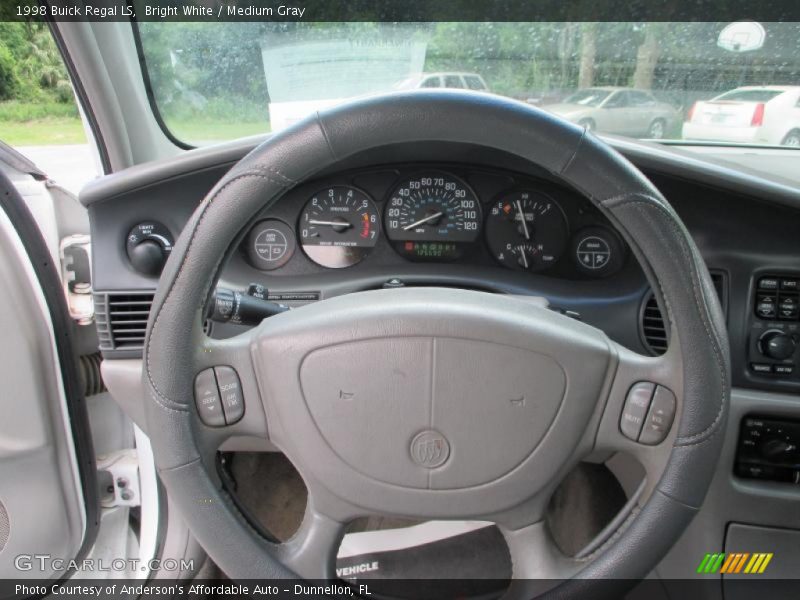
(206, 397)
(776, 344)
(790, 285)
(766, 306)
(597, 251)
(768, 283)
(788, 308)
(761, 368)
(148, 246)
(270, 245)
(784, 369)
(230, 391)
(635, 410)
(659, 417)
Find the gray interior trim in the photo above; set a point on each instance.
(670, 160)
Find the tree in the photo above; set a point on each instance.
(647, 56)
(588, 53)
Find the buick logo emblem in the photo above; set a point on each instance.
(430, 449)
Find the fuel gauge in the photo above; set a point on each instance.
(526, 230)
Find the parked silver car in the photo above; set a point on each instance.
(618, 110)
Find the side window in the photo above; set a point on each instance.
(641, 99)
(453, 81)
(474, 82)
(431, 82)
(618, 100)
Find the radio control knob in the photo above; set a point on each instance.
(777, 345)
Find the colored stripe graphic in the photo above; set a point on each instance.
(735, 562)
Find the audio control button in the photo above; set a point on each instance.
(659, 417)
(635, 410)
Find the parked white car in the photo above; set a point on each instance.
(748, 115)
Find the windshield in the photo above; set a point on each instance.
(587, 97)
(218, 81)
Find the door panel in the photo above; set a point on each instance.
(48, 488)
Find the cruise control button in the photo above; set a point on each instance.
(659, 417)
(230, 390)
(635, 409)
(206, 397)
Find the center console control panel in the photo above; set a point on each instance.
(775, 328)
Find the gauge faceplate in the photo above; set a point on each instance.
(338, 226)
(432, 215)
(526, 230)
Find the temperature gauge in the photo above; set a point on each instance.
(526, 230)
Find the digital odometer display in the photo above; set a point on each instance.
(432, 215)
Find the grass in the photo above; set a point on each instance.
(40, 124)
(46, 124)
(43, 132)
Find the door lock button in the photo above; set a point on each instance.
(207, 399)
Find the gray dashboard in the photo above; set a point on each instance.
(744, 226)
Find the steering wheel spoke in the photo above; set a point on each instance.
(311, 552)
(642, 410)
(537, 564)
(227, 399)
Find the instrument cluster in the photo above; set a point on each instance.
(434, 215)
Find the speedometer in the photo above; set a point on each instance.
(432, 216)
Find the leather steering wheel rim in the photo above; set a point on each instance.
(176, 345)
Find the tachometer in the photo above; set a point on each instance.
(339, 226)
(526, 230)
(432, 216)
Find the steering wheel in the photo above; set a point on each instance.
(441, 403)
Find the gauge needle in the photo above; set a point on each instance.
(524, 222)
(344, 224)
(523, 256)
(423, 220)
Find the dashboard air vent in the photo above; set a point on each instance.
(654, 332)
(122, 320)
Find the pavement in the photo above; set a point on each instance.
(72, 166)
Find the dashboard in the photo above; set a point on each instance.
(403, 216)
(433, 213)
